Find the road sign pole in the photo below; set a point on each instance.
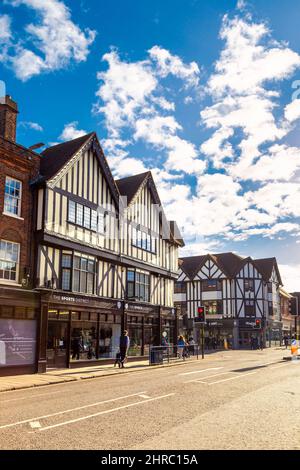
(202, 340)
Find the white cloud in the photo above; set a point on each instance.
(281, 163)
(292, 111)
(5, 29)
(71, 132)
(243, 107)
(290, 277)
(56, 38)
(172, 64)
(31, 125)
(133, 99)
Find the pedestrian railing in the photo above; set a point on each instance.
(171, 353)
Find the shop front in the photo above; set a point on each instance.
(19, 330)
(79, 329)
(145, 325)
(274, 333)
(248, 332)
(218, 334)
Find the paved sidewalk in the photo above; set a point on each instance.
(70, 375)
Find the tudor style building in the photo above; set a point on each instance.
(19, 303)
(106, 257)
(235, 291)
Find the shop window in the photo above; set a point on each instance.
(249, 285)
(83, 340)
(9, 260)
(52, 314)
(7, 312)
(17, 342)
(12, 197)
(211, 284)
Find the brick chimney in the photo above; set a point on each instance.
(8, 118)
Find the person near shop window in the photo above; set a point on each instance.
(76, 348)
(124, 346)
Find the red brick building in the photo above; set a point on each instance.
(19, 304)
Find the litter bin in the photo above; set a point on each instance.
(156, 356)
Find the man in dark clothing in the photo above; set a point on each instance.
(76, 348)
(124, 346)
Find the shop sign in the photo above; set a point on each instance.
(84, 301)
(141, 308)
(211, 323)
(247, 323)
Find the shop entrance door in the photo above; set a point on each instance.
(57, 344)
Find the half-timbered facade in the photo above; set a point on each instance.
(235, 292)
(106, 259)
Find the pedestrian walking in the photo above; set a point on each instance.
(76, 348)
(124, 346)
(286, 340)
(180, 346)
(192, 345)
(261, 343)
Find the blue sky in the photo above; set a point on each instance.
(198, 91)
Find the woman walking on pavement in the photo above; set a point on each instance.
(180, 346)
(124, 346)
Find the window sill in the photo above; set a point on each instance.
(10, 283)
(12, 215)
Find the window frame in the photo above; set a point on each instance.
(19, 199)
(206, 288)
(139, 285)
(251, 285)
(10, 281)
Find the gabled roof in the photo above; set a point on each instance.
(230, 264)
(129, 186)
(191, 265)
(54, 158)
(265, 266)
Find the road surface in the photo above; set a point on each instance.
(231, 400)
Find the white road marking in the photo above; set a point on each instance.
(69, 411)
(144, 396)
(209, 377)
(32, 396)
(200, 371)
(281, 365)
(230, 378)
(76, 420)
(35, 424)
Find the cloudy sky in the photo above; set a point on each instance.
(205, 93)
